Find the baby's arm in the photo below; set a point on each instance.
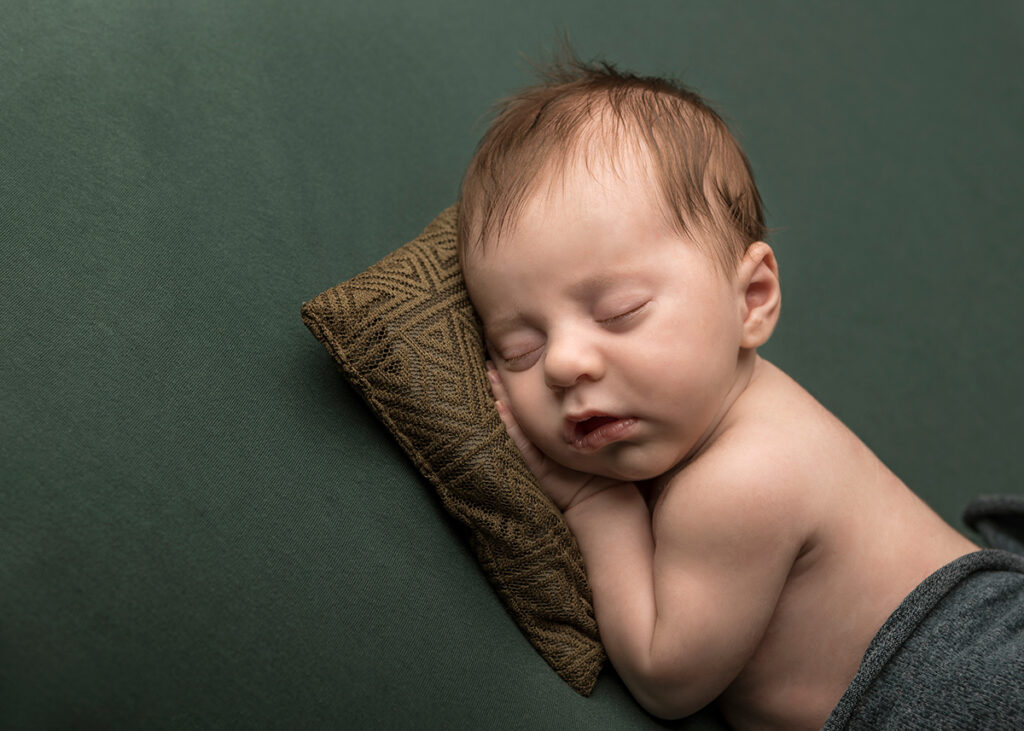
(681, 605)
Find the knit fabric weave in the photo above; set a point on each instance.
(405, 335)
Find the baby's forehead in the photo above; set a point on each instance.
(615, 192)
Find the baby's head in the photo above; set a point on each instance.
(588, 116)
(609, 235)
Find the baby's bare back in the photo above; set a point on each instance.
(868, 542)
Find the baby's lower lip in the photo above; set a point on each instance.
(611, 430)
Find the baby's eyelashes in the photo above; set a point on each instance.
(515, 351)
(521, 361)
(625, 315)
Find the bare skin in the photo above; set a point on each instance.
(850, 539)
(865, 542)
(740, 542)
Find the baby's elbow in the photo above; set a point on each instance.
(669, 707)
(671, 700)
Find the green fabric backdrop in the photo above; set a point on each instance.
(201, 525)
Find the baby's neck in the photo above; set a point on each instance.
(748, 366)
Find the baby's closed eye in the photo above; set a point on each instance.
(516, 353)
(522, 360)
(622, 313)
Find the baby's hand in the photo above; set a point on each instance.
(567, 488)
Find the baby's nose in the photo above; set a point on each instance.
(570, 360)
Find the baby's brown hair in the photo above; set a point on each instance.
(704, 179)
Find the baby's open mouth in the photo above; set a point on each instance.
(593, 432)
(587, 426)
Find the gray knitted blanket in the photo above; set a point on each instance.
(952, 654)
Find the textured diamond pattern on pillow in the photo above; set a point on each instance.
(405, 335)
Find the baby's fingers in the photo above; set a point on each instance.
(532, 456)
(497, 387)
(501, 403)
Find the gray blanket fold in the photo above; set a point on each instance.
(999, 519)
(950, 657)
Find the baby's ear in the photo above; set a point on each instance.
(758, 281)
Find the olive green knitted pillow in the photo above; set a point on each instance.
(406, 336)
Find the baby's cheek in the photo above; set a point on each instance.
(537, 416)
(542, 429)
(536, 432)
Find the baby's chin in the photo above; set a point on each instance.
(615, 469)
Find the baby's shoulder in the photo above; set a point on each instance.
(745, 459)
(735, 503)
(782, 457)
(738, 481)
(765, 468)
(777, 425)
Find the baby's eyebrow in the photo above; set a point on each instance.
(588, 286)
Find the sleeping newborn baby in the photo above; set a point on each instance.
(741, 543)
